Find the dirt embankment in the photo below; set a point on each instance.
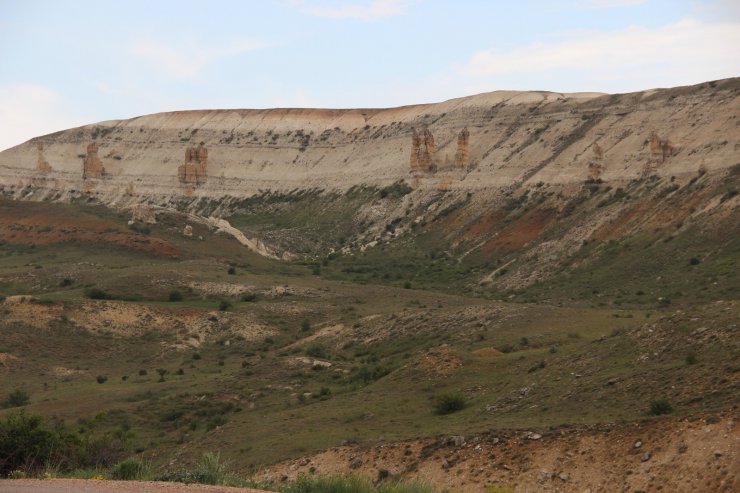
(678, 455)
(93, 486)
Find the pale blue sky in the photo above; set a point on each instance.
(67, 63)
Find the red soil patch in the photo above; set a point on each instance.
(514, 236)
(483, 225)
(27, 224)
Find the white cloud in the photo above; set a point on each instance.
(610, 4)
(187, 61)
(30, 110)
(686, 50)
(375, 10)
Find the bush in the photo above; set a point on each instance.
(132, 469)
(101, 378)
(449, 403)
(196, 356)
(140, 228)
(29, 444)
(660, 406)
(305, 325)
(224, 305)
(162, 372)
(694, 261)
(142, 372)
(231, 271)
(248, 297)
(175, 295)
(691, 358)
(316, 350)
(17, 398)
(97, 294)
(351, 484)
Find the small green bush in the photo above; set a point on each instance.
(101, 379)
(660, 406)
(691, 358)
(449, 403)
(17, 398)
(305, 325)
(196, 356)
(248, 297)
(175, 295)
(131, 469)
(142, 372)
(231, 271)
(97, 294)
(224, 305)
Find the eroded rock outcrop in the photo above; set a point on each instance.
(92, 166)
(423, 152)
(194, 171)
(462, 156)
(660, 149)
(42, 165)
(595, 166)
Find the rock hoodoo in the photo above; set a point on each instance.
(92, 166)
(463, 153)
(595, 166)
(423, 152)
(42, 165)
(194, 170)
(660, 149)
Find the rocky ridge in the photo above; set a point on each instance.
(488, 141)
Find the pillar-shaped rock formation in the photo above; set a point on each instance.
(423, 152)
(595, 168)
(92, 166)
(462, 156)
(194, 171)
(660, 149)
(42, 165)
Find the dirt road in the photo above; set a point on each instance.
(92, 486)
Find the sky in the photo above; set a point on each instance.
(74, 62)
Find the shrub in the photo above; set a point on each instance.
(17, 398)
(449, 403)
(248, 297)
(231, 271)
(224, 305)
(196, 356)
(352, 484)
(97, 294)
(690, 358)
(694, 261)
(101, 378)
(131, 469)
(140, 228)
(175, 295)
(316, 350)
(305, 325)
(162, 372)
(65, 282)
(142, 372)
(660, 406)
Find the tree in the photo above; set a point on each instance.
(162, 372)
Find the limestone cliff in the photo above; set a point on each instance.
(514, 138)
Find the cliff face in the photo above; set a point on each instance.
(498, 139)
